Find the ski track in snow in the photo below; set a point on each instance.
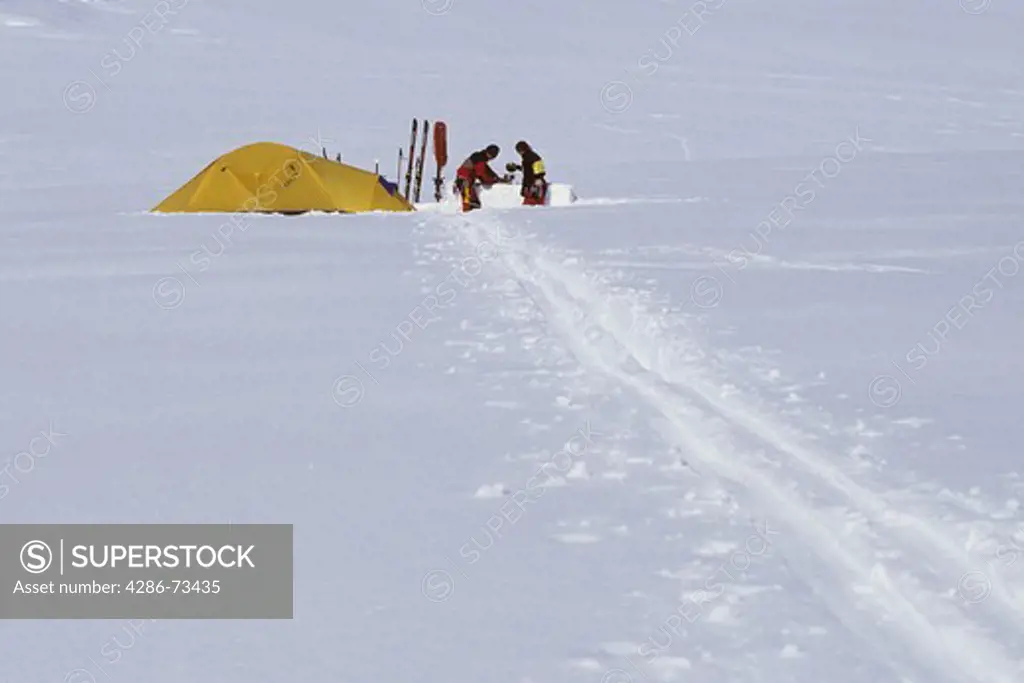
(847, 560)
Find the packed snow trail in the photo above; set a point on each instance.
(678, 363)
(720, 433)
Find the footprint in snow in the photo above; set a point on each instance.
(577, 538)
(488, 491)
(790, 652)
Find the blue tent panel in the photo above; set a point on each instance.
(392, 188)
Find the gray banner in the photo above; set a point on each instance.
(146, 571)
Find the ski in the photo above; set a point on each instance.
(398, 176)
(420, 162)
(412, 153)
(440, 155)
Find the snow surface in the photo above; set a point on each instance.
(748, 412)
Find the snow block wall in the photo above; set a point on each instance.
(507, 197)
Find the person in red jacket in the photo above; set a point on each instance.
(476, 168)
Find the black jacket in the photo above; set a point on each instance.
(533, 168)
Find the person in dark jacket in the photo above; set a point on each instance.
(535, 184)
(476, 168)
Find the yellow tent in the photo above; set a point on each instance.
(270, 178)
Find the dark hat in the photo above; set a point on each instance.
(493, 150)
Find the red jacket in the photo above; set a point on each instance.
(476, 167)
